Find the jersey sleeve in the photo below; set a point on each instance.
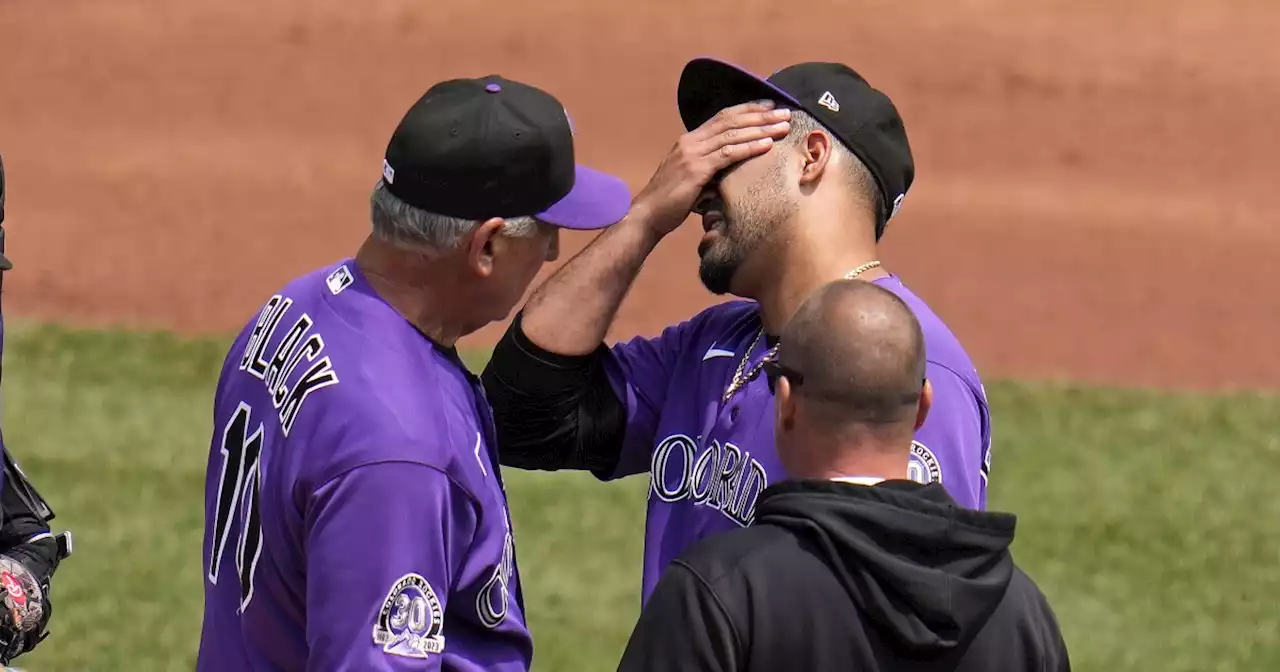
(953, 443)
(384, 544)
(683, 626)
(640, 372)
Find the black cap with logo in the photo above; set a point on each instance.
(493, 147)
(858, 115)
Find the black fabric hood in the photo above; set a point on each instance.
(927, 572)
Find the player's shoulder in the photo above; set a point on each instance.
(724, 324)
(720, 326)
(302, 305)
(417, 411)
(728, 314)
(945, 351)
(350, 380)
(330, 313)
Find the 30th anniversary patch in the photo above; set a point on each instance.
(411, 620)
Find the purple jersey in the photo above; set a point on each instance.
(708, 461)
(355, 517)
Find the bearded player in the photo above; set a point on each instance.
(689, 406)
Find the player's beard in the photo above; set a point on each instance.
(750, 222)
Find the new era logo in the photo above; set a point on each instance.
(829, 101)
(388, 173)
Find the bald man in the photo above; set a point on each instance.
(849, 565)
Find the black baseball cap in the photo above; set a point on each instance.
(858, 115)
(5, 264)
(493, 147)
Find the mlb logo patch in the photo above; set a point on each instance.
(339, 279)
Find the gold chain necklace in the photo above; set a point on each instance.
(861, 269)
(738, 378)
(741, 377)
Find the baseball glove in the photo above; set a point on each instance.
(26, 609)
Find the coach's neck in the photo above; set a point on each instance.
(881, 462)
(423, 287)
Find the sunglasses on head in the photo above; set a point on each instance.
(773, 370)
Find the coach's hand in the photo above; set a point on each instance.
(735, 134)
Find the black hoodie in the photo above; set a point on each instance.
(836, 576)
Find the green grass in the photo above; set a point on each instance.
(1150, 520)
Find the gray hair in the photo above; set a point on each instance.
(856, 172)
(404, 225)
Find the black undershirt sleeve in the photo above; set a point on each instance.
(553, 411)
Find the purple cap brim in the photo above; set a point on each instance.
(708, 86)
(597, 200)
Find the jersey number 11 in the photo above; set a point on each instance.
(238, 488)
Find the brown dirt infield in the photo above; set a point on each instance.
(1093, 201)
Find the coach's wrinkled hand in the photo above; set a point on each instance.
(735, 134)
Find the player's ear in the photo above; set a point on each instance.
(482, 245)
(926, 401)
(816, 151)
